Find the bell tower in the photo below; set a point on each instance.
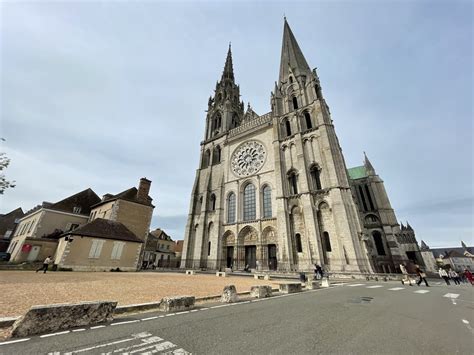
(224, 111)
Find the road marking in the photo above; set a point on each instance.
(179, 351)
(355, 285)
(396, 288)
(339, 284)
(204, 309)
(222, 305)
(465, 321)
(134, 337)
(194, 310)
(98, 326)
(245, 302)
(126, 322)
(150, 318)
(183, 312)
(451, 295)
(14, 341)
(145, 341)
(155, 348)
(53, 334)
(376, 286)
(171, 314)
(79, 330)
(422, 291)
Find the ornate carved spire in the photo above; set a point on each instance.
(228, 68)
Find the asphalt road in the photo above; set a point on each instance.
(355, 318)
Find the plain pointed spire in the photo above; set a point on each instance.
(228, 68)
(291, 56)
(368, 165)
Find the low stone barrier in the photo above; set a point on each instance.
(51, 318)
(220, 274)
(312, 284)
(261, 277)
(177, 303)
(325, 282)
(140, 307)
(290, 287)
(190, 272)
(229, 295)
(7, 321)
(261, 291)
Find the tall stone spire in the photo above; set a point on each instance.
(368, 165)
(228, 68)
(291, 56)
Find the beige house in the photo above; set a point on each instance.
(114, 236)
(35, 237)
(100, 245)
(159, 250)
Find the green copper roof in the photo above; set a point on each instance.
(358, 172)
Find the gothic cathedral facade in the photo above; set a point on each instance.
(272, 192)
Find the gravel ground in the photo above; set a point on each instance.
(23, 289)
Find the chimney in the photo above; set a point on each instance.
(143, 190)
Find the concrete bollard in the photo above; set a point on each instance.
(325, 283)
(177, 303)
(220, 274)
(261, 291)
(229, 295)
(190, 272)
(312, 284)
(290, 287)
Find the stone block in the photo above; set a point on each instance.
(228, 269)
(190, 272)
(290, 287)
(51, 318)
(177, 303)
(325, 283)
(220, 274)
(261, 291)
(312, 284)
(229, 295)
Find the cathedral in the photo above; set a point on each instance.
(272, 191)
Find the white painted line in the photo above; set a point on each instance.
(222, 305)
(78, 330)
(184, 312)
(103, 345)
(451, 295)
(146, 341)
(155, 348)
(339, 284)
(149, 318)
(53, 334)
(376, 286)
(14, 341)
(244, 302)
(355, 285)
(98, 326)
(204, 309)
(161, 316)
(180, 351)
(465, 321)
(126, 322)
(171, 314)
(422, 291)
(396, 288)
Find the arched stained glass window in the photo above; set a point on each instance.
(249, 203)
(231, 208)
(267, 201)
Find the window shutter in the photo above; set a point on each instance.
(99, 248)
(93, 248)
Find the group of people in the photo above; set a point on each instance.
(463, 277)
(419, 272)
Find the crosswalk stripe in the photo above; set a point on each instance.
(376, 286)
(451, 295)
(422, 291)
(396, 288)
(355, 285)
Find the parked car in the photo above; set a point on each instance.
(4, 256)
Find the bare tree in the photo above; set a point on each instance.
(4, 183)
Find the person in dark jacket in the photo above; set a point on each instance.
(421, 275)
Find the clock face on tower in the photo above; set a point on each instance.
(248, 158)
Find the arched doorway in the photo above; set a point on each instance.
(228, 252)
(247, 248)
(269, 249)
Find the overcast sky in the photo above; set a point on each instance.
(99, 94)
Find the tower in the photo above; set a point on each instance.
(272, 191)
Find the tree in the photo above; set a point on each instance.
(4, 183)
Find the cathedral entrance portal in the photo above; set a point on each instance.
(272, 257)
(251, 256)
(230, 257)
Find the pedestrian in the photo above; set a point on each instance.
(405, 275)
(320, 272)
(469, 277)
(258, 265)
(454, 276)
(421, 275)
(46, 263)
(444, 275)
(317, 272)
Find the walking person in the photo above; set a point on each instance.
(469, 277)
(46, 263)
(454, 276)
(444, 275)
(421, 275)
(405, 275)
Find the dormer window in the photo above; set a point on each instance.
(76, 210)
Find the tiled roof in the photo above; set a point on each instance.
(358, 172)
(128, 195)
(7, 220)
(106, 229)
(84, 199)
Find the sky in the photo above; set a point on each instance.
(101, 93)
